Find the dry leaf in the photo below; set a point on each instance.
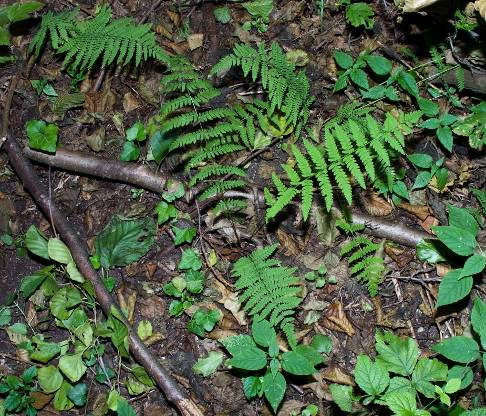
(399, 255)
(442, 269)
(39, 399)
(428, 223)
(290, 408)
(336, 375)
(480, 6)
(154, 338)
(420, 211)
(291, 247)
(152, 307)
(336, 319)
(374, 204)
(130, 103)
(230, 302)
(100, 102)
(96, 141)
(195, 41)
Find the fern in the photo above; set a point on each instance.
(481, 198)
(98, 38)
(287, 89)
(365, 266)
(269, 290)
(359, 150)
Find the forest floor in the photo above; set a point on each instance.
(334, 303)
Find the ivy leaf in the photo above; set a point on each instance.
(463, 373)
(295, 363)
(343, 59)
(45, 351)
(190, 260)
(165, 211)
(203, 321)
(50, 379)
(209, 365)
(250, 358)
(78, 394)
(130, 152)
(397, 355)
(72, 366)
(456, 239)
(222, 14)
(371, 377)
(453, 288)
(194, 281)
(428, 371)
(444, 134)
(42, 136)
(274, 386)
(360, 14)
(124, 408)
(183, 235)
(379, 64)
(5, 316)
(459, 349)
(474, 265)
(63, 301)
(123, 242)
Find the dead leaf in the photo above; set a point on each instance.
(174, 17)
(130, 103)
(326, 224)
(96, 141)
(218, 334)
(39, 399)
(420, 211)
(147, 89)
(399, 255)
(336, 375)
(290, 408)
(163, 30)
(31, 315)
(292, 249)
(152, 307)
(442, 269)
(154, 338)
(195, 41)
(428, 223)
(336, 319)
(230, 302)
(374, 204)
(131, 301)
(100, 102)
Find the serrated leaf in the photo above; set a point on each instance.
(473, 265)
(343, 59)
(250, 358)
(478, 320)
(274, 387)
(371, 377)
(209, 365)
(396, 354)
(452, 288)
(342, 396)
(379, 64)
(298, 364)
(428, 371)
(263, 333)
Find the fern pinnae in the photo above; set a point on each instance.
(215, 170)
(221, 187)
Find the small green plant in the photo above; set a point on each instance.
(365, 257)
(12, 13)
(42, 136)
(268, 290)
(401, 381)
(204, 321)
(86, 42)
(183, 287)
(428, 169)
(16, 392)
(360, 14)
(260, 353)
(443, 128)
(457, 240)
(134, 135)
(473, 126)
(319, 278)
(260, 12)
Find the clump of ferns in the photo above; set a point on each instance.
(365, 257)
(352, 152)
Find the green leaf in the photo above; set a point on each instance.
(309, 353)
(442, 176)
(72, 366)
(444, 134)
(29, 284)
(124, 408)
(251, 386)
(63, 301)
(358, 76)
(190, 260)
(45, 351)
(58, 251)
(50, 379)
(428, 107)
(130, 152)
(400, 189)
(375, 93)
(36, 242)
(5, 316)
(183, 235)
(379, 64)
(403, 404)
(478, 320)
(159, 146)
(342, 396)
(427, 251)
(360, 14)
(421, 160)
(464, 374)
(195, 281)
(237, 343)
(295, 363)
(343, 59)
(371, 377)
(263, 333)
(422, 180)
(250, 358)
(458, 240)
(4, 41)
(29, 374)
(20, 11)
(452, 288)
(209, 365)
(165, 212)
(203, 321)
(222, 14)
(462, 218)
(144, 330)
(322, 343)
(474, 265)
(274, 386)
(408, 83)
(431, 123)
(123, 242)
(136, 133)
(78, 394)
(396, 354)
(428, 371)
(74, 273)
(459, 349)
(42, 136)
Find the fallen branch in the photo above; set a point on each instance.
(26, 174)
(115, 170)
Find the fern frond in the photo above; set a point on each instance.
(229, 205)
(268, 290)
(212, 151)
(221, 187)
(283, 199)
(216, 170)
